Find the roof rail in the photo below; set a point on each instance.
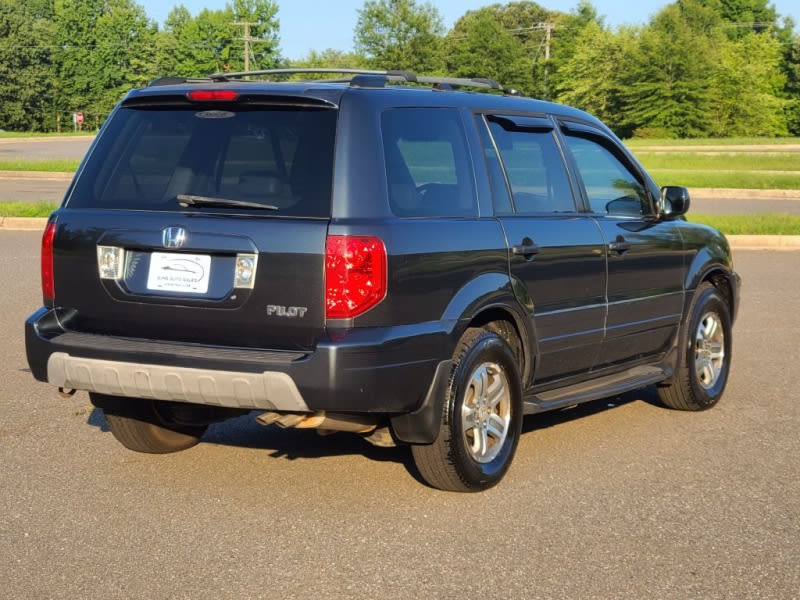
(372, 78)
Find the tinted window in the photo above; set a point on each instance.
(610, 186)
(535, 170)
(501, 199)
(427, 164)
(147, 157)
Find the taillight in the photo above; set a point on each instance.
(48, 283)
(355, 275)
(212, 95)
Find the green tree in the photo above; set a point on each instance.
(590, 78)
(103, 48)
(568, 29)
(328, 59)
(400, 34)
(668, 83)
(479, 45)
(213, 40)
(25, 68)
(741, 17)
(261, 17)
(748, 82)
(791, 69)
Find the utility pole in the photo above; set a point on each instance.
(247, 40)
(545, 47)
(548, 36)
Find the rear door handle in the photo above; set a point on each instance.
(619, 245)
(527, 248)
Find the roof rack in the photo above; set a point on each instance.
(372, 78)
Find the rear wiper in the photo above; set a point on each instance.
(187, 200)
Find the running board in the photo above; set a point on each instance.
(603, 387)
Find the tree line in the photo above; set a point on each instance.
(712, 68)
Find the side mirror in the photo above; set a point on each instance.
(674, 201)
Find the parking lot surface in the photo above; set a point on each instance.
(615, 499)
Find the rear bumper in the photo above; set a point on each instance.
(386, 370)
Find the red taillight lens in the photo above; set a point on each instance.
(212, 95)
(48, 283)
(355, 275)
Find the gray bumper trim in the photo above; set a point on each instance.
(268, 390)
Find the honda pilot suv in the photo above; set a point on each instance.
(377, 253)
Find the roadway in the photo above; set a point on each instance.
(616, 499)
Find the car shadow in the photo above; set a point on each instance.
(298, 444)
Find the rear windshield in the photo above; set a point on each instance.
(152, 158)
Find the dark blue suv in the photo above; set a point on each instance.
(381, 253)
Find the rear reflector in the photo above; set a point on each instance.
(48, 278)
(212, 95)
(355, 275)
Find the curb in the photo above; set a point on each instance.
(23, 223)
(737, 242)
(723, 193)
(764, 242)
(45, 139)
(49, 175)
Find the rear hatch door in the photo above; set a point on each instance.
(201, 222)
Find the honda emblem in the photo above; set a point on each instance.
(173, 237)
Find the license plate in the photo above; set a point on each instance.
(186, 273)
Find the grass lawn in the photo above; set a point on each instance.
(644, 142)
(50, 166)
(27, 209)
(744, 180)
(36, 134)
(760, 224)
(727, 161)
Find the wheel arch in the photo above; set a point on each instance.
(487, 298)
(484, 301)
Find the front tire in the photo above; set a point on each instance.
(482, 417)
(148, 426)
(704, 354)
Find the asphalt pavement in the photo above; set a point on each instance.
(615, 499)
(44, 148)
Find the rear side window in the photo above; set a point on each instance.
(534, 168)
(428, 170)
(148, 157)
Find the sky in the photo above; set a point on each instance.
(316, 25)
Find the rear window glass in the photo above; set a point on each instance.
(148, 157)
(428, 170)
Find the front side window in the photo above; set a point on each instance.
(610, 186)
(428, 170)
(148, 158)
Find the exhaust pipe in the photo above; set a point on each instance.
(321, 421)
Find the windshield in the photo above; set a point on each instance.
(149, 158)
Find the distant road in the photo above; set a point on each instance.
(70, 148)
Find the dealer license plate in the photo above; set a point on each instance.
(172, 272)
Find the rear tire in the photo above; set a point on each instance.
(704, 354)
(148, 426)
(482, 417)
